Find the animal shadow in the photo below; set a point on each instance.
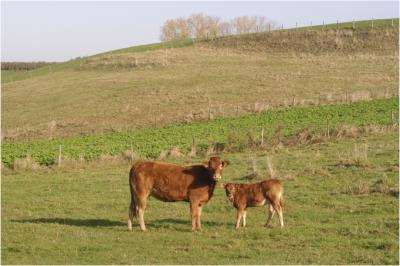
(73, 222)
(168, 222)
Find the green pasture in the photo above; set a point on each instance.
(341, 207)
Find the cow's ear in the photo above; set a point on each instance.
(225, 163)
(205, 164)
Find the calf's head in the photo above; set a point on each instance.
(215, 166)
(230, 191)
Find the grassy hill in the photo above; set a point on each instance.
(190, 80)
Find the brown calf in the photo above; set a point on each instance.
(169, 182)
(255, 195)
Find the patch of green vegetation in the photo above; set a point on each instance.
(60, 216)
(153, 46)
(149, 142)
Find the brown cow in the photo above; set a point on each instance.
(169, 182)
(255, 195)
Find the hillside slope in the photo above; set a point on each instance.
(140, 87)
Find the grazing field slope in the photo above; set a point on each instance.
(341, 207)
(191, 80)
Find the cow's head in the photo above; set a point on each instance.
(230, 191)
(215, 166)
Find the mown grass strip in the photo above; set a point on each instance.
(149, 142)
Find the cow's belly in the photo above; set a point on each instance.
(170, 195)
(257, 202)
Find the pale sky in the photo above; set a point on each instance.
(59, 31)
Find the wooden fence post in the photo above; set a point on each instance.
(59, 156)
(392, 118)
(131, 152)
(327, 128)
(165, 58)
(262, 137)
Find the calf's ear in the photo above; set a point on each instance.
(205, 164)
(225, 163)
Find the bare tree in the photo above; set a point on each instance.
(225, 28)
(243, 24)
(183, 30)
(203, 26)
(168, 30)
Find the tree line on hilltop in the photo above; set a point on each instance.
(204, 26)
(22, 66)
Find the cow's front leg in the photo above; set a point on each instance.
(198, 224)
(194, 209)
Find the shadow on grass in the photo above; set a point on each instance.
(184, 221)
(73, 222)
(171, 223)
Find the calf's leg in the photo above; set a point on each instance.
(270, 215)
(280, 214)
(239, 216)
(244, 218)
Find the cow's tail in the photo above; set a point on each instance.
(132, 210)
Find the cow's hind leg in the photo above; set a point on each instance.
(131, 214)
(280, 214)
(278, 208)
(244, 218)
(271, 213)
(239, 216)
(141, 206)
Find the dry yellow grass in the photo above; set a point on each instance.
(116, 92)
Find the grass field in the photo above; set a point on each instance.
(140, 86)
(341, 207)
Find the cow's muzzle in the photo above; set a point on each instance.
(216, 177)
